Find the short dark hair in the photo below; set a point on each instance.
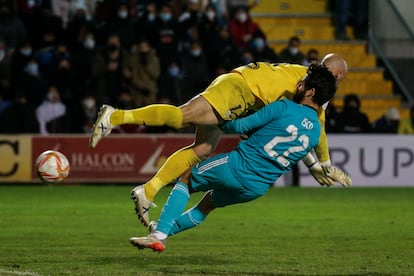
(323, 81)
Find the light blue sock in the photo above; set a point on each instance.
(174, 207)
(189, 219)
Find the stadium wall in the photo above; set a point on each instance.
(371, 160)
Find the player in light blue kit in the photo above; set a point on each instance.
(283, 133)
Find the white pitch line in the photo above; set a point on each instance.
(14, 272)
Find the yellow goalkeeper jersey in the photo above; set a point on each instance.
(270, 82)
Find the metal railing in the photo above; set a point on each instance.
(392, 40)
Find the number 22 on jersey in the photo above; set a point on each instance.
(281, 157)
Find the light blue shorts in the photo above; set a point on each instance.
(215, 174)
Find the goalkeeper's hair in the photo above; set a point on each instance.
(323, 81)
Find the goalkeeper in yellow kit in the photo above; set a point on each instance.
(244, 90)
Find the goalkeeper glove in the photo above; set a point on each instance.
(336, 174)
(320, 176)
(316, 171)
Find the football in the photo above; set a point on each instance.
(52, 166)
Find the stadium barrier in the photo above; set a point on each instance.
(371, 160)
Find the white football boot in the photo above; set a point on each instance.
(149, 241)
(102, 126)
(142, 204)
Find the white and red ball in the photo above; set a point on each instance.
(52, 166)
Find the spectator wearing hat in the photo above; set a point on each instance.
(388, 123)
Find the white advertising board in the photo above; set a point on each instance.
(370, 160)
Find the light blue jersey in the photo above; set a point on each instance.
(285, 133)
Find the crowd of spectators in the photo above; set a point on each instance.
(60, 60)
(351, 119)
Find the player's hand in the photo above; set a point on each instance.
(337, 175)
(318, 173)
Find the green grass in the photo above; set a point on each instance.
(84, 230)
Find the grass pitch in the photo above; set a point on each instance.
(84, 230)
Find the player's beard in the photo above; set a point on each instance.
(299, 96)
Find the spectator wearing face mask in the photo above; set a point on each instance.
(83, 115)
(194, 71)
(351, 119)
(292, 53)
(312, 56)
(108, 68)
(32, 82)
(62, 73)
(167, 37)
(79, 21)
(406, 125)
(147, 22)
(169, 85)
(141, 74)
(209, 28)
(123, 25)
(242, 28)
(51, 113)
(82, 61)
(261, 51)
(388, 123)
(19, 58)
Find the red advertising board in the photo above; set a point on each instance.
(118, 158)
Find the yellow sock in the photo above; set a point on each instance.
(177, 164)
(151, 115)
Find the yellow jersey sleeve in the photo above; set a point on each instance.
(322, 149)
(270, 82)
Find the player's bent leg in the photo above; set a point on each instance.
(194, 216)
(198, 111)
(175, 165)
(207, 138)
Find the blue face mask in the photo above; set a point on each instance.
(259, 43)
(151, 17)
(196, 53)
(32, 68)
(174, 71)
(26, 52)
(165, 16)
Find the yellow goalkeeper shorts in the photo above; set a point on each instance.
(231, 97)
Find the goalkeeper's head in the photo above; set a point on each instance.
(319, 86)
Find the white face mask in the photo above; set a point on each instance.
(51, 97)
(123, 14)
(151, 17)
(196, 53)
(89, 43)
(242, 17)
(32, 68)
(211, 15)
(293, 51)
(26, 52)
(89, 103)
